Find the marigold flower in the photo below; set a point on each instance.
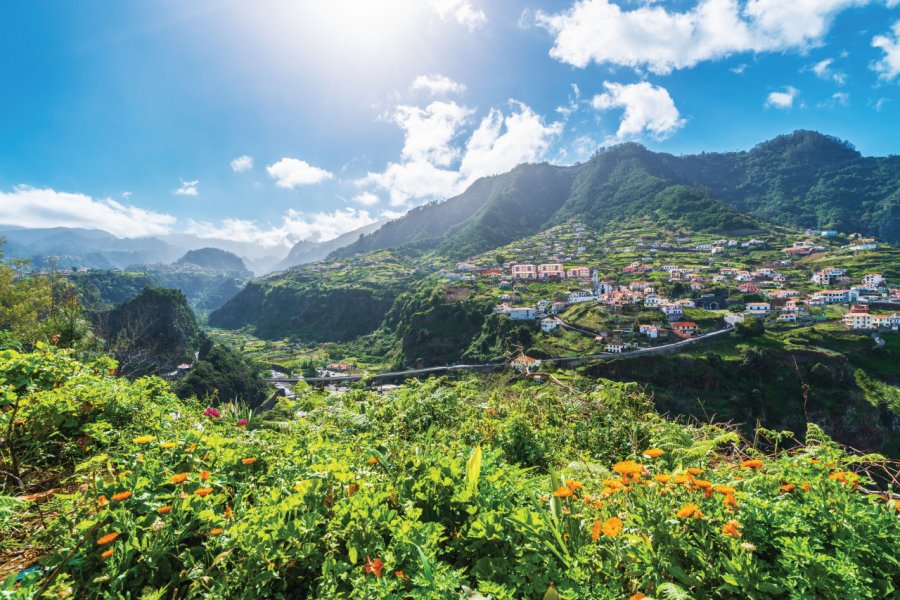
(612, 527)
(101, 501)
(595, 531)
(121, 496)
(753, 463)
(372, 460)
(108, 538)
(628, 468)
(788, 487)
(685, 479)
(574, 485)
(806, 487)
(204, 475)
(653, 452)
(164, 510)
(203, 492)
(703, 484)
(688, 511)
(694, 471)
(191, 448)
(168, 445)
(249, 461)
(107, 553)
(563, 491)
(216, 531)
(725, 489)
(729, 501)
(228, 512)
(662, 478)
(374, 567)
(179, 478)
(143, 439)
(612, 483)
(637, 596)
(731, 529)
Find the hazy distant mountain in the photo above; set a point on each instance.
(306, 252)
(216, 259)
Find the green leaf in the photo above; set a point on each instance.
(352, 554)
(552, 594)
(473, 469)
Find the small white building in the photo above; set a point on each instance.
(521, 314)
(759, 308)
(549, 324)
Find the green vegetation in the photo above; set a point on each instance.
(508, 489)
(222, 375)
(215, 259)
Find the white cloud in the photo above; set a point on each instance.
(889, 65)
(188, 188)
(26, 206)
(783, 100)
(647, 108)
(293, 172)
(294, 226)
(242, 164)
(823, 70)
(461, 10)
(661, 40)
(879, 105)
(367, 199)
(842, 98)
(126, 195)
(437, 85)
(435, 163)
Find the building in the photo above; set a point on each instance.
(576, 296)
(614, 347)
(578, 273)
(686, 328)
(832, 296)
(872, 281)
(758, 308)
(526, 364)
(550, 271)
(549, 324)
(855, 320)
(788, 317)
(524, 271)
(521, 314)
(672, 309)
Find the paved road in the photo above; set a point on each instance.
(497, 365)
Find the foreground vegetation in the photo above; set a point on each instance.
(479, 488)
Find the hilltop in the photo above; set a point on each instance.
(215, 259)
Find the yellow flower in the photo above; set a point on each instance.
(168, 445)
(653, 452)
(731, 529)
(612, 527)
(143, 439)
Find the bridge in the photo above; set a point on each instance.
(339, 379)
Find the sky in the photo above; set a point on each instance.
(274, 121)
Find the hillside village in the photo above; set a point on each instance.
(656, 288)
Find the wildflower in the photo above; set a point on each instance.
(164, 510)
(204, 475)
(563, 491)
(374, 567)
(101, 501)
(143, 439)
(725, 489)
(637, 596)
(788, 487)
(703, 484)
(249, 461)
(753, 463)
(685, 479)
(689, 510)
(373, 460)
(203, 492)
(216, 531)
(574, 485)
(595, 531)
(695, 471)
(168, 445)
(653, 452)
(612, 527)
(108, 538)
(806, 487)
(243, 422)
(112, 371)
(628, 468)
(731, 529)
(191, 448)
(228, 512)
(211, 412)
(729, 501)
(107, 553)
(179, 478)
(662, 478)
(122, 496)
(748, 546)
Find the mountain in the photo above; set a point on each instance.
(805, 179)
(305, 252)
(214, 259)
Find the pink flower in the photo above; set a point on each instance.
(211, 412)
(243, 422)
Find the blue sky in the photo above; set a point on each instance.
(273, 121)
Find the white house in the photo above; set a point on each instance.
(759, 308)
(651, 331)
(672, 309)
(858, 320)
(614, 348)
(788, 317)
(872, 281)
(521, 314)
(581, 296)
(549, 324)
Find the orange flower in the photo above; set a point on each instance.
(216, 531)
(164, 510)
(228, 512)
(249, 461)
(807, 487)
(122, 496)
(689, 510)
(204, 475)
(107, 553)
(753, 463)
(372, 461)
(695, 471)
(637, 596)
(788, 487)
(663, 478)
(725, 489)
(101, 501)
(374, 567)
(203, 492)
(729, 501)
(731, 529)
(191, 448)
(595, 531)
(703, 484)
(628, 468)
(352, 489)
(574, 485)
(653, 452)
(107, 539)
(563, 491)
(179, 478)
(612, 527)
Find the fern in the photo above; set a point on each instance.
(671, 591)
